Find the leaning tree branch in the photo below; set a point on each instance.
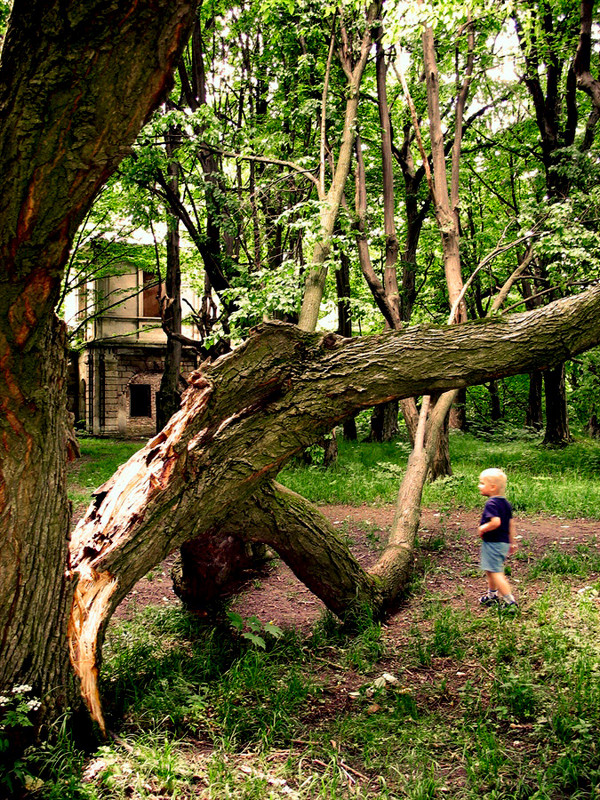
(511, 280)
(547, 291)
(245, 415)
(266, 160)
(485, 261)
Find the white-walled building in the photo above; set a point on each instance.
(116, 375)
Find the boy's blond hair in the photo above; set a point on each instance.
(495, 476)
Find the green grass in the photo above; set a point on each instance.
(483, 706)
(583, 562)
(553, 481)
(100, 458)
(215, 682)
(541, 480)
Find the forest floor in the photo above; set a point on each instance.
(480, 705)
(445, 700)
(448, 561)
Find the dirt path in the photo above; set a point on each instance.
(448, 564)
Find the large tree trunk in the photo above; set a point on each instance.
(34, 519)
(244, 416)
(384, 422)
(534, 417)
(557, 420)
(312, 548)
(77, 81)
(495, 406)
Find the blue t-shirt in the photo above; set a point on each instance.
(497, 507)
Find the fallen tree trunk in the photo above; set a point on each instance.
(248, 413)
(310, 546)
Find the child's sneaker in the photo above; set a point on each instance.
(510, 608)
(489, 599)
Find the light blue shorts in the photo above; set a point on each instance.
(493, 555)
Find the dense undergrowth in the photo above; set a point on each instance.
(462, 704)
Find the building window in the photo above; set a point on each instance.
(140, 402)
(150, 307)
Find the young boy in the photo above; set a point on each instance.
(497, 532)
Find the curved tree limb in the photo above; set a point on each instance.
(248, 413)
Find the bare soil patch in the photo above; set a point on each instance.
(448, 559)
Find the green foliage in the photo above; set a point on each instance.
(5, 8)
(54, 767)
(258, 631)
(263, 291)
(17, 713)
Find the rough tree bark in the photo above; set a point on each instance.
(557, 419)
(534, 417)
(244, 416)
(35, 594)
(77, 81)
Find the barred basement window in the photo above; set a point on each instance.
(140, 403)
